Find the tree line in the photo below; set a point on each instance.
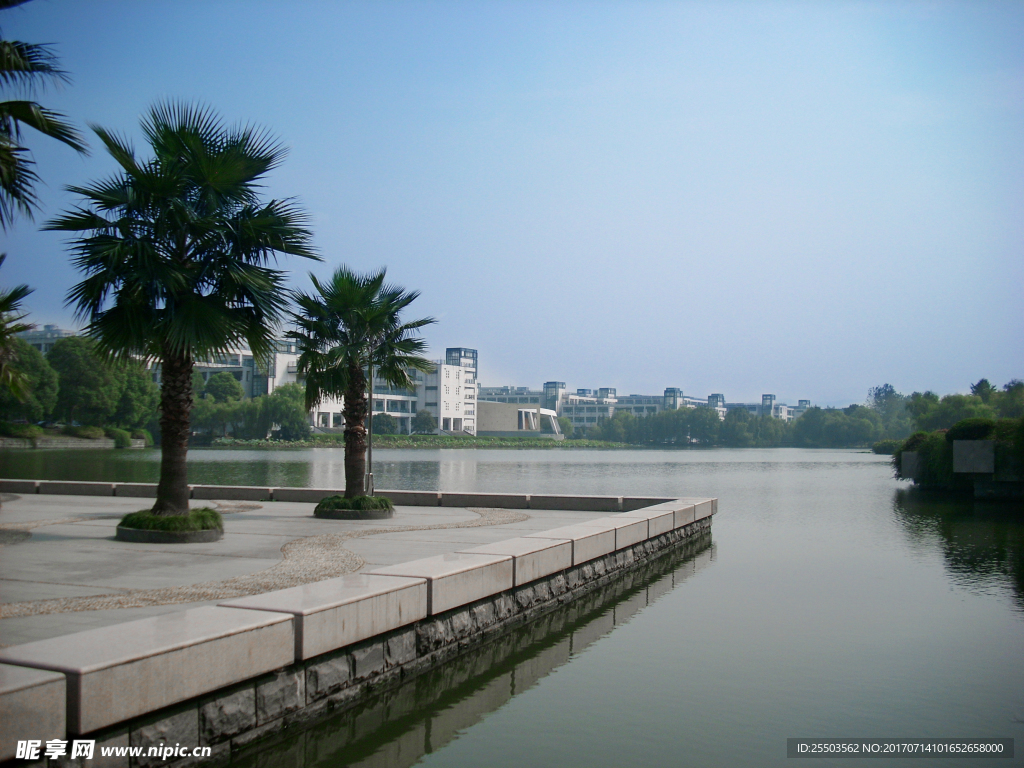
(886, 415)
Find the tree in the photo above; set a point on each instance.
(984, 390)
(1010, 402)
(175, 251)
(286, 408)
(25, 67)
(40, 386)
(90, 388)
(11, 378)
(564, 424)
(349, 330)
(425, 423)
(140, 397)
(223, 387)
(385, 424)
(704, 425)
(735, 429)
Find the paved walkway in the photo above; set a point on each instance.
(62, 571)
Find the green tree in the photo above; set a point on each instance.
(349, 328)
(984, 390)
(931, 413)
(175, 251)
(891, 406)
(25, 67)
(40, 386)
(704, 425)
(287, 412)
(140, 397)
(1010, 402)
(385, 424)
(90, 388)
(735, 429)
(564, 425)
(425, 423)
(223, 387)
(12, 379)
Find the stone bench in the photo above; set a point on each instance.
(532, 559)
(125, 670)
(33, 703)
(338, 612)
(456, 579)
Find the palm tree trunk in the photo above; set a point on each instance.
(175, 429)
(355, 433)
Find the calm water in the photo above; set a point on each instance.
(832, 602)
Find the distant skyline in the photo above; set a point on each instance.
(790, 198)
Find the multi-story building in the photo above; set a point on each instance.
(448, 393)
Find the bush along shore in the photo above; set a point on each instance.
(930, 458)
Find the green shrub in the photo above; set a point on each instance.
(143, 434)
(121, 437)
(89, 433)
(886, 447)
(971, 429)
(24, 431)
(355, 504)
(201, 519)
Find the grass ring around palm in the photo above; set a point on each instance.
(199, 519)
(355, 508)
(198, 526)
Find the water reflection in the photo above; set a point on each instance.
(982, 542)
(397, 728)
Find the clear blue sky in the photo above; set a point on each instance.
(806, 199)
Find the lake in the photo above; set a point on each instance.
(833, 602)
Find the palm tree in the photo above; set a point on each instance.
(174, 249)
(347, 332)
(11, 325)
(24, 66)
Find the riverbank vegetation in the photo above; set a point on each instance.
(934, 468)
(419, 441)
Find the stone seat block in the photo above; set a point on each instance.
(337, 612)
(311, 495)
(19, 486)
(125, 670)
(628, 530)
(576, 503)
(455, 579)
(33, 703)
(76, 488)
(629, 503)
(702, 509)
(532, 559)
(497, 500)
(413, 498)
(661, 518)
(588, 541)
(231, 492)
(135, 490)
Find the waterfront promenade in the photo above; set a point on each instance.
(62, 571)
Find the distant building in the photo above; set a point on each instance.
(513, 420)
(44, 338)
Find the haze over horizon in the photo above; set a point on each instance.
(789, 198)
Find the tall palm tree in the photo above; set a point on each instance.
(174, 249)
(348, 331)
(10, 325)
(24, 66)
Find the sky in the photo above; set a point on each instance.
(803, 199)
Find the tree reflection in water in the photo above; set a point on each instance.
(982, 541)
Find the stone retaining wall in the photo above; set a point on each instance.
(314, 495)
(227, 676)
